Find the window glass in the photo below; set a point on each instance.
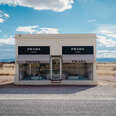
(77, 71)
(34, 71)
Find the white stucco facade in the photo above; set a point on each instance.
(56, 42)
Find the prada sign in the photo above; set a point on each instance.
(77, 50)
(33, 50)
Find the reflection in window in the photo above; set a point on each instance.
(34, 71)
(77, 71)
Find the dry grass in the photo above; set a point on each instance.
(7, 68)
(106, 69)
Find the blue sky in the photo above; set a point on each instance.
(58, 16)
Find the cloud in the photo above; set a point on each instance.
(106, 54)
(1, 20)
(3, 16)
(106, 35)
(36, 30)
(29, 29)
(104, 41)
(48, 30)
(9, 41)
(55, 5)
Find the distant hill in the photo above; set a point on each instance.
(106, 59)
(97, 60)
(8, 60)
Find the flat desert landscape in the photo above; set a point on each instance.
(106, 73)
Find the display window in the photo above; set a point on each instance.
(77, 71)
(34, 71)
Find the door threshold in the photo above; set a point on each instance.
(55, 81)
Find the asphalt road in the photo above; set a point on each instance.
(58, 101)
(57, 108)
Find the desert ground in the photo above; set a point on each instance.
(106, 73)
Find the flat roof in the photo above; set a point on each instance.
(56, 36)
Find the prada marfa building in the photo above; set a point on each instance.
(49, 59)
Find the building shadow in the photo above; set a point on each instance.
(10, 88)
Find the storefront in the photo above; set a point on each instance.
(55, 59)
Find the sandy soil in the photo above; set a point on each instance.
(106, 74)
(104, 69)
(7, 69)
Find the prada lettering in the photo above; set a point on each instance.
(33, 50)
(77, 50)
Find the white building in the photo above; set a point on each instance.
(50, 59)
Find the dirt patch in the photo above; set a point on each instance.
(6, 80)
(106, 81)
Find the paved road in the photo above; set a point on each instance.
(58, 101)
(57, 108)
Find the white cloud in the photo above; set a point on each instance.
(106, 35)
(9, 41)
(1, 20)
(104, 41)
(55, 5)
(106, 54)
(3, 16)
(36, 30)
(29, 29)
(6, 15)
(48, 30)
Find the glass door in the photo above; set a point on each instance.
(56, 68)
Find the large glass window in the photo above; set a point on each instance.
(34, 71)
(77, 71)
